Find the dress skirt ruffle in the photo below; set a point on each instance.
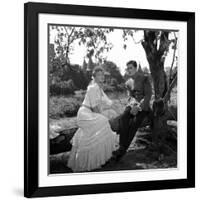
(93, 143)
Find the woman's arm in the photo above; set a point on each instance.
(106, 101)
(96, 109)
(93, 98)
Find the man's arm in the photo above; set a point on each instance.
(147, 94)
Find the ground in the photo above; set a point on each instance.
(141, 154)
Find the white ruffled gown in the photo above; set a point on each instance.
(94, 141)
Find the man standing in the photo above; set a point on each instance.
(133, 116)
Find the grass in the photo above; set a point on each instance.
(67, 106)
(139, 157)
(61, 106)
(62, 112)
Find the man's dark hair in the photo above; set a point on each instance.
(133, 62)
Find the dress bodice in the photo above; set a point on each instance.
(95, 96)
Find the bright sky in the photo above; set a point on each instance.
(117, 54)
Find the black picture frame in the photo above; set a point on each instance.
(31, 83)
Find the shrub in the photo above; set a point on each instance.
(121, 87)
(63, 107)
(109, 88)
(62, 88)
(117, 88)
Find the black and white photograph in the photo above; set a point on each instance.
(100, 99)
(112, 98)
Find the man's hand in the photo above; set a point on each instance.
(135, 109)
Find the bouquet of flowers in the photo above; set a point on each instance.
(132, 102)
(129, 84)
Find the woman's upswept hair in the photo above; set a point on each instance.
(94, 72)
(97, 69)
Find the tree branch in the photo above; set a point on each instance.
(164, 43)
(70, 36)
(66, 30)
(174, 53)
(167, 95)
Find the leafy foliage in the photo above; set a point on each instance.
(156, 44)
(63, 107)
(114, 71)
(94, 39)
(65, 77)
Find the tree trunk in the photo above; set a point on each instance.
(159, 83)
(67, 55)
(161, 130)
(155, 45)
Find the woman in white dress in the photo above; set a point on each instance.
(94, 141)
